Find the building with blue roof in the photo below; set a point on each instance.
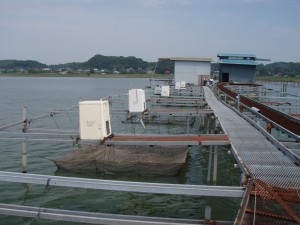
(239, 68)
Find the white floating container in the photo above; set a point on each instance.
(165, 90)
(182, 84)
(157, 90)
(94, 120)
(137, 100)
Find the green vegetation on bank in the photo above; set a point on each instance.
(155, 76)
(279, 79)
(279, 69)
(100, 65)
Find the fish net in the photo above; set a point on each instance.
(272, 205)
(141, 160)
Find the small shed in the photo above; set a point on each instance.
(239, 68)
(191, 70)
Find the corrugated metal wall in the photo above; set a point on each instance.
(239, 73)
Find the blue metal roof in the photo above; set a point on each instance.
(236, 55)
(238, 61)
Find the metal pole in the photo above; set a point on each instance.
(209, 164)
(207, 125)
(238, 103)
(188, 125)
(215, 170)
(207, 215)
(24, 145)
(24, 157)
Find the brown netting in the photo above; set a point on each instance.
(272, 205)
(142, 160)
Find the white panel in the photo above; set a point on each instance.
(157, 90)
(182, 84)
(165, 90)
(94, 120)
(137, 100)
(177, 85)
(189, 71)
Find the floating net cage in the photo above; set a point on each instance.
(135, 160)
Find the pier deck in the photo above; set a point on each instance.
(263, 159)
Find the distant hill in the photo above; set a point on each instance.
(21, 64)
(290, 69)
(97, 63)
(131, 64)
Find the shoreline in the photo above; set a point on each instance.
(83, 75)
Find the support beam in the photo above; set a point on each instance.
(141, 187)
(220, 139)
(24, 144)
(95, 218)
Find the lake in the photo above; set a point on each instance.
(43, 95)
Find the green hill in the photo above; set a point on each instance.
(131, 64)
(290, 69)
(21, 64)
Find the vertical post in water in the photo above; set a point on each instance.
(209, 162)
(207, 214)
(209, 165)
(215, 170)
(187, 124)
(24, 145)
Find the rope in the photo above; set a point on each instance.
(138, 161)
(71, 121)
(40, 157)
(52, 115)
(95, 160)
(47, 188)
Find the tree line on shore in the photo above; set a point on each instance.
(130, 65)
(96, 64)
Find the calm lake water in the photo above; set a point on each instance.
(43, 95)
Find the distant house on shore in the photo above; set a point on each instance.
(191, 70)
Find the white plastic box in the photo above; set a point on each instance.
(182, 84)
(165, 90)
(137, 100)
(94, 120)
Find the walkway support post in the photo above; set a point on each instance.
(209, 165)
(215, 169)
(24, 144)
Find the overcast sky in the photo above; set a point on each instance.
(61, 31)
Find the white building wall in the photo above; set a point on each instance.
(189, 71)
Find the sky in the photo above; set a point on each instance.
(62, 31)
